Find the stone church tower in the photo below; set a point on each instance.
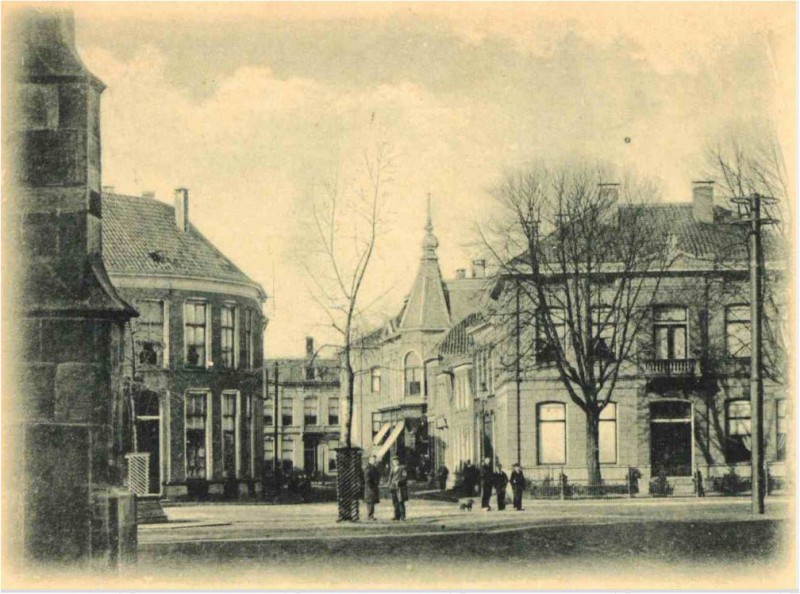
(64, 319)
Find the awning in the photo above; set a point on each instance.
(376, 441)
(396, 431)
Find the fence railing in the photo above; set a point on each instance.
(621, 482)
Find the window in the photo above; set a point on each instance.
(196, 435)
(269, 450)
(780, 429)
(333, 411)
(546, 352)
(332, 456)
(737, 330)
(287, 453)
(229, 434)
(228, 335)
(286, 411)
(149, 333)
(737, 421)
(670, 332)
(247, 352)
(248, 446)
(269, 409)
(310, 405)
(603, 326)
(375, 374)
(482, 375)
(552, 433)
(413, 375)
(195, 323)
(608, 434)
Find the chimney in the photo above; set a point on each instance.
(309, 346)
(478, 268)
(182, 208)
(608, 190)
(703, 201)
(461, 273)
(108, 189)
(149, 194)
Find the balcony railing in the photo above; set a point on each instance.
(669, 368)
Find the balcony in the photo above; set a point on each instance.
(669, 368)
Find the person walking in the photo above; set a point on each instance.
(468, 478)
(487, 481)
(372, 483)
(442, 475)
(398, 487)
(500, 484)
(517, 486)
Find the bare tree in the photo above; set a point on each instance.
(346, 220)
(585, 259)
(747, 160)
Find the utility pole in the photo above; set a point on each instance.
(275, 410)
(750, 213)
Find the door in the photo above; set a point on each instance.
(671, 438)
(310, 454)
(148, 436)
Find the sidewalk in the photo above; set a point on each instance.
(210, 523)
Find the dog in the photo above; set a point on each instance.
(466, 506)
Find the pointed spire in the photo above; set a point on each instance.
(430, 243)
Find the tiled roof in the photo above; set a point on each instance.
(140, 236)
(464, 295)
(458, 341)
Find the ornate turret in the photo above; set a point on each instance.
(427, 307)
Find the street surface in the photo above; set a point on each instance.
(710, 541)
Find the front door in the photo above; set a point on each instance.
(671, 438)
(148, 436)
(310, 454)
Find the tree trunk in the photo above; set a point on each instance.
(347, 421)
(593, 447)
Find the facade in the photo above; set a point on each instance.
(440, 382)
(194, 354)
(63, 426)
(397, 366)
(309, 409)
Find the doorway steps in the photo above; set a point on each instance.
(149, 510)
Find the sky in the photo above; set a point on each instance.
(256, 108)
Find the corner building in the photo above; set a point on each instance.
(194, 354)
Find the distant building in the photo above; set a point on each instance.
(195, 351)
(309, 413)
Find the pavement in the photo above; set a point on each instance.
(220, 522)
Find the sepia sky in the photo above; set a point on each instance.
(253, 107)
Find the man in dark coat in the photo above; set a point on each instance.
(398, 487)
(500, 484)
(372, 482)
(487, 482)
(468, 475)
(442, 475)
(517, 486)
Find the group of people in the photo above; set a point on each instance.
(397, 481)
(497, 480)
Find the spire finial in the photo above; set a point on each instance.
(430, 243)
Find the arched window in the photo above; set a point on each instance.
(413, 375)
(551, 420)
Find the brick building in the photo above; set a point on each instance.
(62, 424)
(309, 412)
(194, 353)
